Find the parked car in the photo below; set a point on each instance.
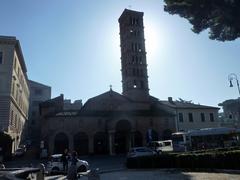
(19, 152)
(55, 165)
(23, 146)
(140, 151)
(161, 146)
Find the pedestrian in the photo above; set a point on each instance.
(72, 171)
(64, 160)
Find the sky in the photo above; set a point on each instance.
(74, 47)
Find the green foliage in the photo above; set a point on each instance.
(221, 17)
(204, 160)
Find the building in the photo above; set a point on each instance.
(14, 93)
(231, 113)
(68, 105)
(111, 123)
(38, 93)
(190, 116)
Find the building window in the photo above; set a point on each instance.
(211, 117)
(180, 117)
(1, 57)
(38, 92)
(230, 116)
(142, 85)
(12, 116)
(190, 117)
(202, 117)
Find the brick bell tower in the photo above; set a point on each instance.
(133, 56)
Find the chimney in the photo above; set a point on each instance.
(170, 99)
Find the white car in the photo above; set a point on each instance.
(140, 151)
(55, 164)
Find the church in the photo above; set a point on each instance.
(111, 123)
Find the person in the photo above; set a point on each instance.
(64, 159)
(72, 171)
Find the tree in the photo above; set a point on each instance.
(221, 17)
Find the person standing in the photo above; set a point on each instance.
(72, 171)
(64, 159)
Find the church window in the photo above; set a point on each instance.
(137, 72)
(137, 21)
(142, 85)
(132, 46)
(134, 72)
(136, 46)
(134, 84)
(140, 60)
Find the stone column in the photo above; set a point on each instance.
(132, 139)
(71, 145)
(111, 142)
(91, 143)
(51, 145)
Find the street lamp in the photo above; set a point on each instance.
(232, 77)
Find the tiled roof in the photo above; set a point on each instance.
(185, 105)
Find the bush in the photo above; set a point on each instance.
(205, 160)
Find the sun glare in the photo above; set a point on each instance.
(151, 39)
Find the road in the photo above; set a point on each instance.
(113, 168)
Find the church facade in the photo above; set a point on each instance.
(111, 123)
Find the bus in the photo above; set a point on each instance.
(180, 141)
(207, 138)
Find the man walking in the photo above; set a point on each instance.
(64, 159)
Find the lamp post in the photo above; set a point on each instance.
(232, 77)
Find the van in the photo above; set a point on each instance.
(161, 146)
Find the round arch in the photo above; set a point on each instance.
(61, 143)
(80, 143)
(122, 136)
(100, 143)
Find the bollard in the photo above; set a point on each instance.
(41, 173)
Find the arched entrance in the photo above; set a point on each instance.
(122, 137)
(138, 140)
(100, 143)
(80, 142)
(60, 143)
